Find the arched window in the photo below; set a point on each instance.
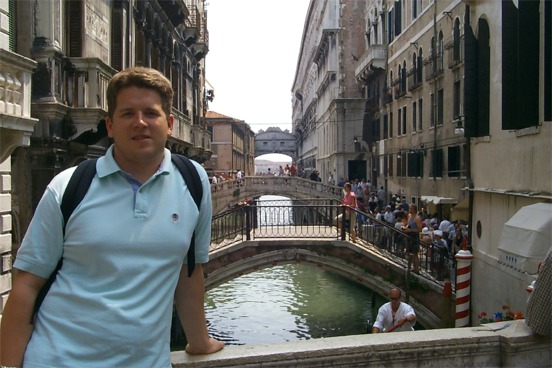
(420, 63)
(456, 39)
(403, 77)
(441, 50)
(414, 71)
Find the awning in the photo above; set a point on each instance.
(460, 211)
(526, 237)
(439, 200)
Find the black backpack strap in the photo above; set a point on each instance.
(193, 182)
(77, 187)
(74, 193)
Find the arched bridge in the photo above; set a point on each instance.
(257, 235)
(274, 140)
(230, 193)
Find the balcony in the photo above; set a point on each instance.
(387, 96)
(433, 66)
(455, 53)
(399, 87)
(414, 76)
(16, 124)
(373, 60)
(192, 26)
(324, 45)
(87, 81)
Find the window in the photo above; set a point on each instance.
(385, 127)
(75, 28)
(420, 114)
(391, 125)
(454, 162)
(456, 101)
(441, 50)
(414, 9)
(398, 17)
(404, 120)
(456, 40)
(521, 58)
(432, 114)
(11, 25)
(120, 35)
(440, 107)
(436, 168)
(414, 116)
(401, 161)
(416, 164)
(390, 167)
(420, 64)
(399, 123)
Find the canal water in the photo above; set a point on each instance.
(288, 303)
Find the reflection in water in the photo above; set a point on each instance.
(280, 215)
(288, 303)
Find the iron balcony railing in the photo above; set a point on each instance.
(316, 218)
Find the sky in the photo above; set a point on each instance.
(253, 51)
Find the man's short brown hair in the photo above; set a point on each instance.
(142, 78)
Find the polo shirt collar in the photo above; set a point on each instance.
(107, 165)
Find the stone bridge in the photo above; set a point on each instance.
(359, 262)
(231, 192)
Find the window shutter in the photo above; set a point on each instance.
(75, 28)
(11, 25)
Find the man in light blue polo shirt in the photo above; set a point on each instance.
(124, 250)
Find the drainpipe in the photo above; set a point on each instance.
(434, 63)
(467, 135)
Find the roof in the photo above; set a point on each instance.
(216, 115)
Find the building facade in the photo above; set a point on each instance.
(73, 48)
(233, 144)
(454, 116)
(16, 128)
(327, 102)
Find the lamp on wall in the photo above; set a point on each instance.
(366, 146)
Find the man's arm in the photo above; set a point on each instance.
(189, 297)
(16, 319)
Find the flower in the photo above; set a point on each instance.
(506, 315)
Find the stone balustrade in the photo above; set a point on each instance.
(16, 124)
(502, 344)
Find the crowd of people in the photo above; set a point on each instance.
(425, 234)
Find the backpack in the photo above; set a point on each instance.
(78, 186)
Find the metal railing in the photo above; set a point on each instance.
(318, 218)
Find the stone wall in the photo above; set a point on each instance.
(503, 344)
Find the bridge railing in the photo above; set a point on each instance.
(287, 182)
(318, 218)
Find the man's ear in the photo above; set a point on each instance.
(109, 126)
(170, 124)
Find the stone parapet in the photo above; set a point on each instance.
(502, 344)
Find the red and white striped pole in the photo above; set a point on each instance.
(463, 287)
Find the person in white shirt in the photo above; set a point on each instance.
(394, 316)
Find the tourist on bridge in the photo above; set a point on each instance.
(124, 250)
(394, 315)
(412, 229)
(349, 201)
(331, 180)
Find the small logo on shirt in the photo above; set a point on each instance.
(175, 218)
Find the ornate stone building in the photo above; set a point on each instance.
(77, 46)
(327, 102)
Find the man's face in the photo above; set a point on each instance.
(139, 126)
(395, 298)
